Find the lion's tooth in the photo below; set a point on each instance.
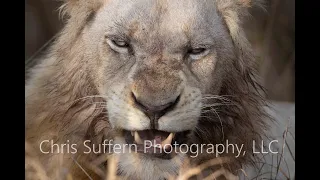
(132, 133)
(137, 138)
(168, 140)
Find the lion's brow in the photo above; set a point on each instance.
(119, 28)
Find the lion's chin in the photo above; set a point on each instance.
(154, 143)
(145, 166)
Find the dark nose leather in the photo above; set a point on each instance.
(154, 112)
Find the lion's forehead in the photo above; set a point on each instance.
(169, 21)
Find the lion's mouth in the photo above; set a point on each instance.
(156, 143)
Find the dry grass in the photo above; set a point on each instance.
(36, 171)
(279, 168)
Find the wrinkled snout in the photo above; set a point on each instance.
(155, 93)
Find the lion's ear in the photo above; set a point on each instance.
(79, 8)
(234, 12)
(78, 13)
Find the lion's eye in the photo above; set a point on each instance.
(198, 53)
(120, 43)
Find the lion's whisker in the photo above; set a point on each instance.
(88, 97)
(199, 130)
(216, 105)
(220, 122)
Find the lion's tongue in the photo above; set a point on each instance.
(154, 137)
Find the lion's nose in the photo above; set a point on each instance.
(152, 111)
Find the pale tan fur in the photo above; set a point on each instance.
(60, 103)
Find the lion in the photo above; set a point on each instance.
(178, 71)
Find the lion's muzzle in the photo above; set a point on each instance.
(156, 91)
(154, 112)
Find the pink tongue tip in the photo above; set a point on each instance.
(158, 139)
(153, 135)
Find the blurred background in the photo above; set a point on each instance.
(272, 34)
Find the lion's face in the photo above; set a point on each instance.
(163, 68)
(154, 61)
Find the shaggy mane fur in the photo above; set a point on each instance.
(58, 107)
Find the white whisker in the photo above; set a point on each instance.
(220, 122)
(87, 97)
